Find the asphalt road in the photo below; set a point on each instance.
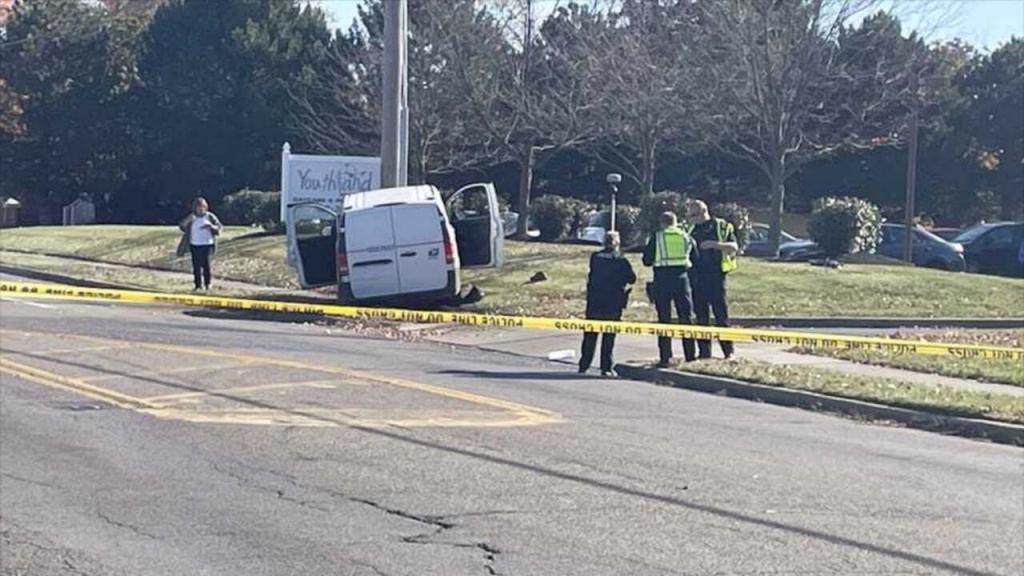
(142, 440)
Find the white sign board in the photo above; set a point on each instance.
(325, 179)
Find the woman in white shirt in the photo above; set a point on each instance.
(199, 236)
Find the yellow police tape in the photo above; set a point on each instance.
(767, 336)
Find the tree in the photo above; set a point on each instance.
(630, 64)
(994, 87)
(525, 96)
(213, 109)
(66, 71)
(783, 83)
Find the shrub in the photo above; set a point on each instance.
(580, 212)
(252, 208)
(652, 206)
(738, 216)
(844, 225)
(553, 216)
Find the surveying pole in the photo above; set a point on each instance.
(394, 137)
(613, 180)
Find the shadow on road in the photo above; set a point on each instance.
(406, 436)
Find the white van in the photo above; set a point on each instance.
(396, 243)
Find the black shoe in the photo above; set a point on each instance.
(581, 370)
(663, 364)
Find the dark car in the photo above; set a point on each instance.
(994, 248)
(928, 249)
(757, 243)
(946, 233)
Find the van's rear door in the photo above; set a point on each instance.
(420, 246)
(475, 216)
(312, 239)
(372, 259)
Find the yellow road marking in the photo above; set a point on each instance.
(528, 412)
(323, 384)
(71, 384)
(65, 351)
(523, 415)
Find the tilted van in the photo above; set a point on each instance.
(396, 244)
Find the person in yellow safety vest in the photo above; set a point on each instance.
(717, 245)
(670, 252)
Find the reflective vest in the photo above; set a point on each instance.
(723, 229)
(672, 248)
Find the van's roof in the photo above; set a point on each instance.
(405, 194)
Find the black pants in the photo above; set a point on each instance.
(669, 292)
(201, 265)
(607, 342)
(709, 291)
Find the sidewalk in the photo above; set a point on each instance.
(639, 349)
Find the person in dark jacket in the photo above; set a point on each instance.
(716, 240)
(670, 252)
(610, 273)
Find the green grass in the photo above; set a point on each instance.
(757, 288)
(987, 370)
(243, 254)
(887, 391)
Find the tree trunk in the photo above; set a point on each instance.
(648, 168)
(525, 184)
(778, 184)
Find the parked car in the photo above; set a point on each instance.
(790, 246)
(928, 250)
(396, 242)
(598, 223)
(946, 233)
(994, 248)
(510, 223)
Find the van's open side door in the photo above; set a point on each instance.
(312, 243)
(474, 214)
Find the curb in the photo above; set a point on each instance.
(1001, 433)
(877, 323)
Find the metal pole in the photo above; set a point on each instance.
(908, 219)
(613, 208)
(394, 116)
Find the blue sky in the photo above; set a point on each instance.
(983, 23)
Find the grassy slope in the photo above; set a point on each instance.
(872, 389)
(756, 289)
(999, 371)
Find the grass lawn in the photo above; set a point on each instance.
(888, 391)
(999, 371)
(757, 288)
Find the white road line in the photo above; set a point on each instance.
(30, 303)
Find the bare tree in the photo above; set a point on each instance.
(527, 98)
(342, 111)
(778, 88)
(641, 88)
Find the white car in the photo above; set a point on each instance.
(396, 244)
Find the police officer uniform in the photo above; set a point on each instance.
(670, 252)
(610, 273)
(708, 279)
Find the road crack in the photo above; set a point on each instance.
(440, 525)
(130, 527)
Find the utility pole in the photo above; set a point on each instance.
(908, 217)
(394, 140)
